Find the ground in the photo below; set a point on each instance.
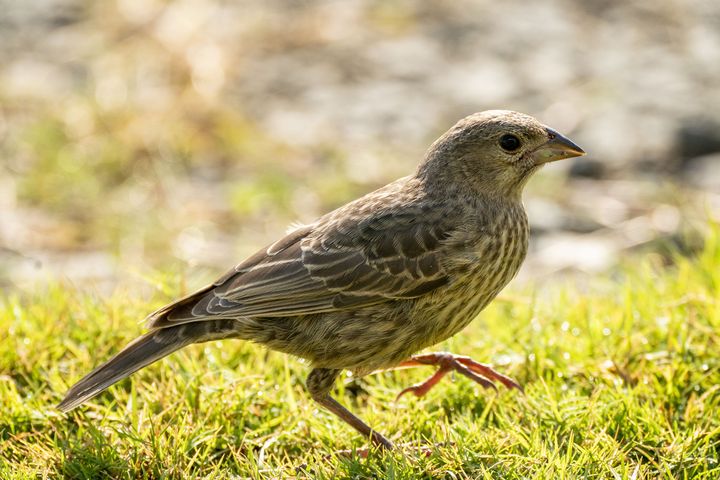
(621, 381)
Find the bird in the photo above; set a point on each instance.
(367, 286)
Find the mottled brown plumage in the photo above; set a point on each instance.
(368, 285)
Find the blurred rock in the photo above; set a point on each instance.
(704, 171)
(546, 216)
(697, 137)
(587, 167)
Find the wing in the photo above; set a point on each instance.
(337, 264)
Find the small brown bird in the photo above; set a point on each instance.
(366, 286)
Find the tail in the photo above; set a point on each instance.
(147, 349)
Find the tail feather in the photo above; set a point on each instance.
(147, 349)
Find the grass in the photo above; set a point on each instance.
(621, 381)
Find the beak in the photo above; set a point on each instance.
(557, 148)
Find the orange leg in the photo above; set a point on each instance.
(477, 372)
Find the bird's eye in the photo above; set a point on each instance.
(509, 142)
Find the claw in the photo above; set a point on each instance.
(477, 372)
(489, 373)
(420, 389)
(414, 389)
(475, 377)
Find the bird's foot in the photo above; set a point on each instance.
(448, 362)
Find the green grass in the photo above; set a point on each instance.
(621, 381)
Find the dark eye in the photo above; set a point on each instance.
(509, 142)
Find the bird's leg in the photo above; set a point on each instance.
(477, 372)
(319, 384)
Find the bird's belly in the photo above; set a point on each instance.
(451, 311)
(447, 311)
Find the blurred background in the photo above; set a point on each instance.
(139, 136)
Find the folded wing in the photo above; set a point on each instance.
(323, 268)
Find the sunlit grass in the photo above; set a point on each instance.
(621, 381)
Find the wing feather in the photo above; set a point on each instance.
(325, 267)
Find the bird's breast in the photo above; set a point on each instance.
(489, 263)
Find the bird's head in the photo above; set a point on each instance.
(495, 152)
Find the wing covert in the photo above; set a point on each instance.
(323, 268)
